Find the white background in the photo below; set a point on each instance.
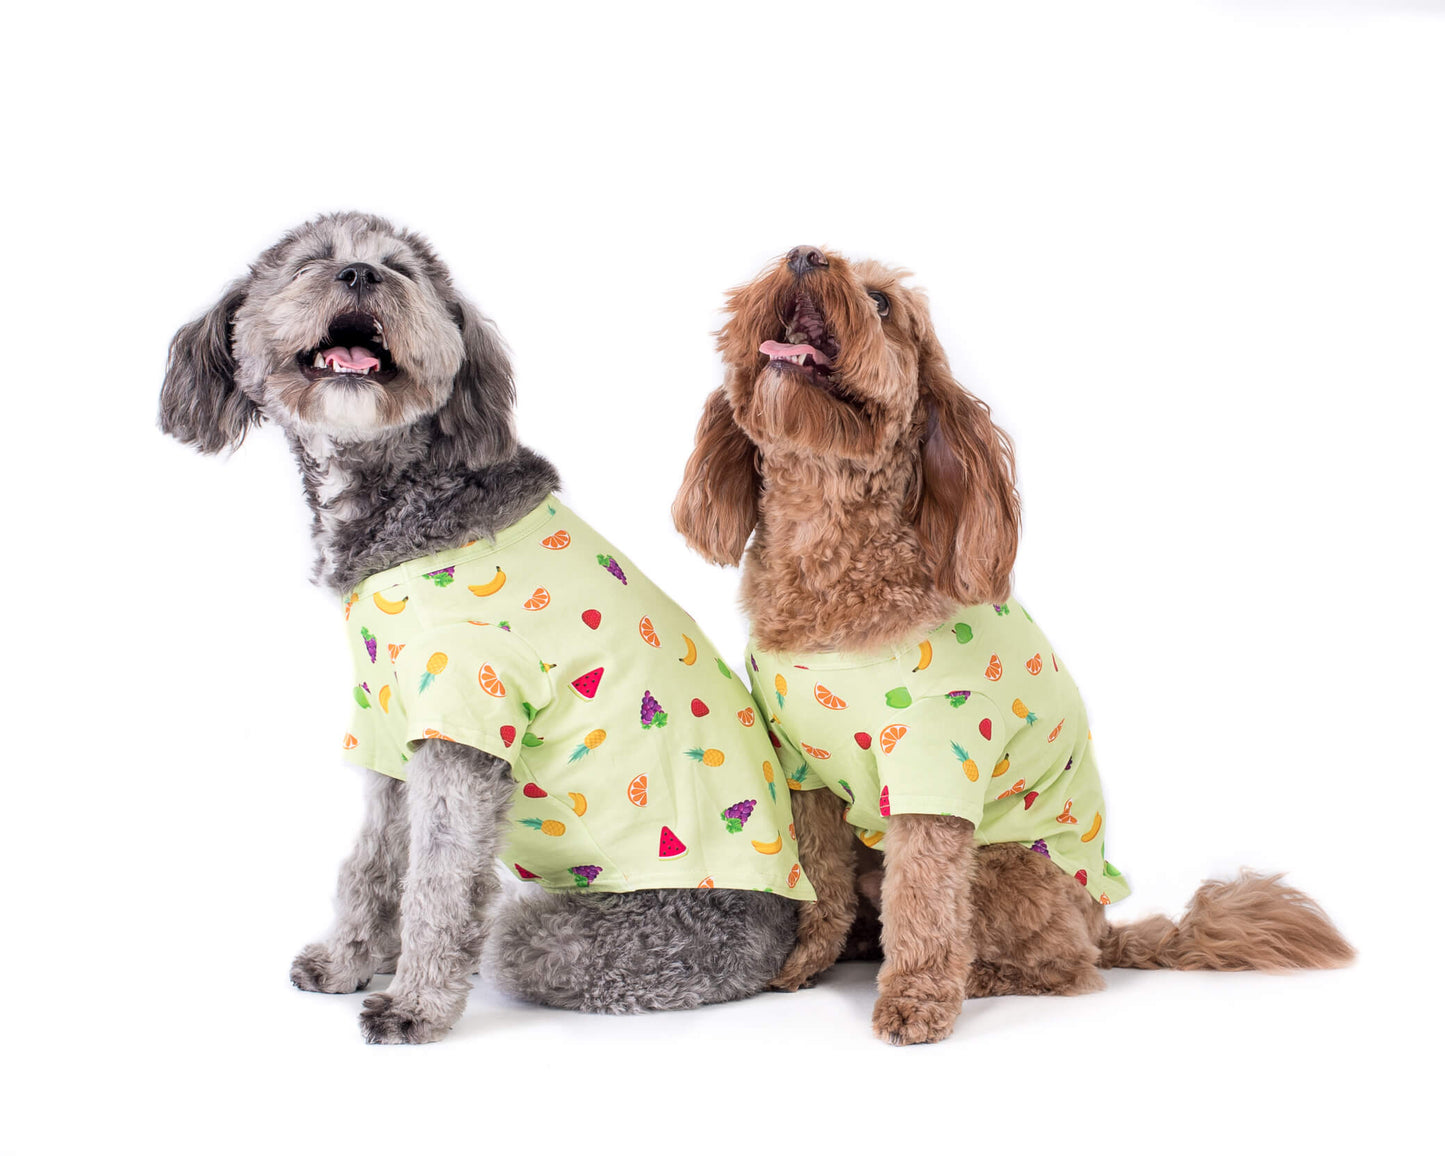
(1193, 253)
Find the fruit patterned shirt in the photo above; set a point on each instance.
(638, 755)
(978, 719)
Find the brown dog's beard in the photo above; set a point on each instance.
(794, 413)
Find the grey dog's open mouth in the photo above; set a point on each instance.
(355, 347)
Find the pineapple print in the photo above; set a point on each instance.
(546, 826)
(1024, 713)
(970, 768)
(434, 666)
(712, 757)
(780, 685)
(589, 744)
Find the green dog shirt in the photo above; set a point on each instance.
(978, 719)
(639, 758)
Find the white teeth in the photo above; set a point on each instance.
(319, 363)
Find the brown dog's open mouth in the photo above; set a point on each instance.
(354, 347)
(806, 347)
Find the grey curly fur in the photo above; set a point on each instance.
(394, 470)
(643, 951)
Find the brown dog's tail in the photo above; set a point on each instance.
(1253, 923)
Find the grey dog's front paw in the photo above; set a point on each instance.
(317, 968)
(389, 1020)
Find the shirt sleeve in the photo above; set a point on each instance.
(794, 766)
(943, 757)
(477, 685)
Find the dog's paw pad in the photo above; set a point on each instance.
(383, 1021)
(901, 1020)
(315, 970)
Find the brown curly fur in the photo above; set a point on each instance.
(878, 495)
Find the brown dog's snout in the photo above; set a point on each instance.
(359, 275)
(805, 258)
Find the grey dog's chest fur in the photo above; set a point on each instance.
(382, 502)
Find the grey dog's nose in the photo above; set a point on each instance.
(358, 274)
(804, 258)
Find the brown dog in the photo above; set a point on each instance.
(880, 498)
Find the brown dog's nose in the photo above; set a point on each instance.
(805, 258)
(359, 274)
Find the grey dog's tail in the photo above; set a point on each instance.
(1253, 923)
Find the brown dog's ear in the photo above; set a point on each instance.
(200, 404)
(716, 506)
(968, 507)
(476, 422)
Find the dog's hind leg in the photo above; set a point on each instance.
(457, 802)
(644, 950)
(825, 849)
(364, 939)
(1035, 931)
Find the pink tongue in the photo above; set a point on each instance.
(778, 349)
(358, 358)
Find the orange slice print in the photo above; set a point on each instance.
(540, 600)
(1053, 734)
(558, 541)
(1035, 664)
(814, 752)
(649, 635)
(995, 669)
(431, 733)
(348, 743)
(888, 737)
(1067, 815)
(794, 875)
(637, 791)
(747, 717)
(490, 682)
(707, 883)
(826, 698)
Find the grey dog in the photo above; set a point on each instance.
(414, 454)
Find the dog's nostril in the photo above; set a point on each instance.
(803, 258)
(356, 275)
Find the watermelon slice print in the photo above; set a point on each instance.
(586, 686)
(883, 808)
(670, 846)
(522, 872)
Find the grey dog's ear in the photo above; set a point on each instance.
(200, 404)
(476, 421)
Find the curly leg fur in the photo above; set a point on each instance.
(926, 909)
(457, 802)
(364, 939)
(1035, 930)
(642, 951)
(825, 850)
(1250, 923)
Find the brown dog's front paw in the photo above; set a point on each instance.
(901, 1019)
(387, 1020)
(802, 968)
(317, 969)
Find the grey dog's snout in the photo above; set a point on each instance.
(804, 258)
(358, 275)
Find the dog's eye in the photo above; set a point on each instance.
(881, 301)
